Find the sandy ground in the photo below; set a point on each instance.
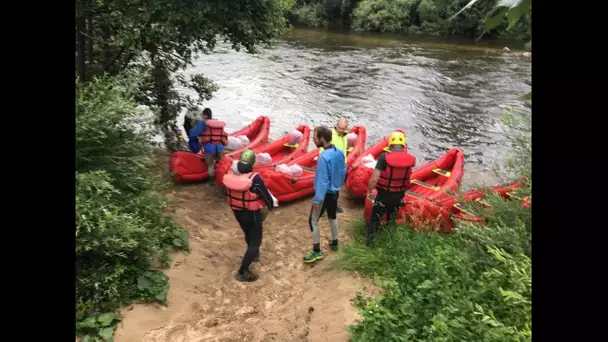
(291, 301)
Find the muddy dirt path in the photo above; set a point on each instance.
(290, 302)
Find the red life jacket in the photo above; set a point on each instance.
(238, 195)
(215, 133)
(396, 176)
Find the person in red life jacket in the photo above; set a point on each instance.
(213, 139)
(391, 178)
(248, 198)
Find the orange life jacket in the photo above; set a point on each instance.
(396, 176)
(238, 195)
(215, 133)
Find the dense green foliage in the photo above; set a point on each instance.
(161, 37)
(323, 13)
(428, 17)
(121, 228)
(443, 289)
(475, 285)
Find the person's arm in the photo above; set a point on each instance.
(321, 186)
(408, 180)
(197, 130)
(339, 141)
(373, 181)
(260, 188)
(344, 146)
(343, 171)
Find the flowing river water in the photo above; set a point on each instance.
(443, 94)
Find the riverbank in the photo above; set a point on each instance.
(387, 39)
(290, 302)
(414, 18)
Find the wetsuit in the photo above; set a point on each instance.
(251, 221)
(329, 177)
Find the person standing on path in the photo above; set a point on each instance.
(338, 139)
(391, 178)
(248, 198)
(329, 177)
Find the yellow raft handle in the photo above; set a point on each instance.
(482, 202)
(512, 195)
(463, 210)
(442, 172)
(426, 185)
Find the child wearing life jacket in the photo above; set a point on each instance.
(213, 140)
(248, 198)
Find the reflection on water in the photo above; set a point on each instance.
(444, 95)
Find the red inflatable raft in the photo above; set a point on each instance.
(440, 214)
(431, 182)
(459, 210)
(286, 188)
(358, 174)
(280, 151)
(358, 147)
(187, 167)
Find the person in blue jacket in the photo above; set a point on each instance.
(194, 134)
(329, 177)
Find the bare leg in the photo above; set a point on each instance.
(210, 160)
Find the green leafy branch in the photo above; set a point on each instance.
(513, 10)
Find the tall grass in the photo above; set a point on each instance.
(473, 285)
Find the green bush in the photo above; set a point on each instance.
(432, 29)
(383, 15)
(427, 11)
(121, 228)
(312, 14)
(439, 288)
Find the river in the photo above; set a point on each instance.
(444, 94)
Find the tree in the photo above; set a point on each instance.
(160, 37)
(513, 10)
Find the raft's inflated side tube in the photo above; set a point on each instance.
(476, 194)
(358, 175)
(187, 167)
(423, 212)
(270, 148)
(287, 188)
(358, 147)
